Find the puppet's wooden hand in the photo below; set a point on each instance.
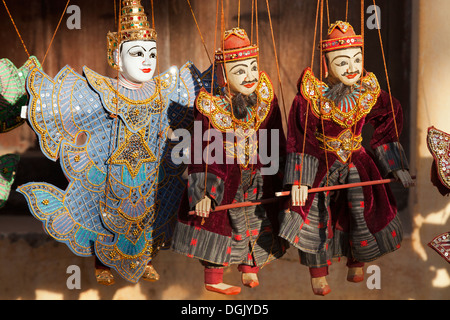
(203, 208)
(405, 178)
(299, 195)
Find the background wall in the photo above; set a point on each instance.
(409, 29)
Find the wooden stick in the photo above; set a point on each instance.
(287, 193)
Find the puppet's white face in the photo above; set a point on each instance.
(137, 61)
(242, 76)
(346, 65)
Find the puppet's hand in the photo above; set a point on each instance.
(203, 208)
(404, 177)
(299, 195)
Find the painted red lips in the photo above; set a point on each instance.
(146, 70)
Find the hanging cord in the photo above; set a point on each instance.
(118, 24)
(239, 14)
(325, 143)
(253, 13)
(200, 32)
(328, 14)
(21, 39)
(257, 26)
(54, 34)
(276, 60)
(361, 81)
(387, 80)
(346, 11)
(212, 95)
(17, 30)
(309, 103)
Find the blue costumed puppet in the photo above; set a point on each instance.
(112, 137)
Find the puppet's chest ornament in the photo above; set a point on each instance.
(350, 109)
(219, 110)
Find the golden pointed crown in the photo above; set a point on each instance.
(134, 25)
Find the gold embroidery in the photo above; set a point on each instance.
(342, 146)
(215, 108)
(133, 153)
(313, 90)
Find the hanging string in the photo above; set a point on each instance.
(328, 14)
(276, 61)
(346, 11)
(153, 15)
(200, 32)
(387, 79)
(361, 79)
(239, 14)
(119, 24)
(253, 13)
(257, 25)
(115, 14)
(54, 34)
(325, 143)
(212, 94)
(309, 103)
(17, 30)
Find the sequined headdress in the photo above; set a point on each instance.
(236, 46)
(134, 25)
(341, 35)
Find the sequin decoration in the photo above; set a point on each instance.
(347, 112)
(441, 244)
(439, 145)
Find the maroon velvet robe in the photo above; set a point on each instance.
(325, 227)
(210, 239)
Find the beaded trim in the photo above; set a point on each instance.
(313, 90)
(439, 145)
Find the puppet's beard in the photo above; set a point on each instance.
(240, 104)
(340, 91)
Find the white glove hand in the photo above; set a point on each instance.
(405, 177)
(299, 195)
(203, 208)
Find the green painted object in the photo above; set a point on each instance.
(13, 94)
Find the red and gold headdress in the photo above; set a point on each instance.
(236, 46)
(134, 25)
(341, 35)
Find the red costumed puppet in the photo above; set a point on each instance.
(324, 149)
(231, 169)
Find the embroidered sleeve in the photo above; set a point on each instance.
(196, 188)
(295, 170)
(391, 157)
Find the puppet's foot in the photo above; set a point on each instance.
(250, 280)
(150, 273)
(320, 286)
(355, 274)
(223, 288)
(104, 277)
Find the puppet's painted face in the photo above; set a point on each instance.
(138, 60)
(346, 65)
(242, 76)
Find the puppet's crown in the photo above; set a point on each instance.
(134, 25)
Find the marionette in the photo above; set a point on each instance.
(13, 96)
(244, 105)
(324, 148)
(112, 137)
(438, 143)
